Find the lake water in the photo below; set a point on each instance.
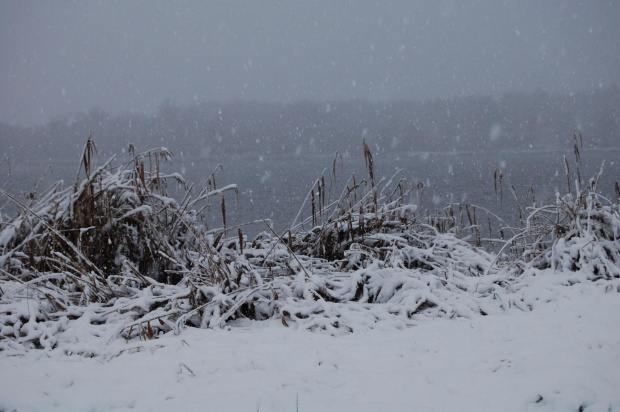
(275, 186)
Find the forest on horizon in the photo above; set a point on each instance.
(515, 121)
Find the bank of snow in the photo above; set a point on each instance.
(564, 355)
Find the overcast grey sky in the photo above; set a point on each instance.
(58, 57)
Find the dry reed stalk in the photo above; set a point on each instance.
(516, 197)
(314, 220)
(471, 222)
(334, 166)
(371, 169)
(350, 222)
(567, 171)
(223, 207)
(576, 147)
(324, 192)
(321, 199)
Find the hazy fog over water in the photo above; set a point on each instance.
(65, 56)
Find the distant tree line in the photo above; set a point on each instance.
(516, 121)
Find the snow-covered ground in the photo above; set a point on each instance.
(563, 355)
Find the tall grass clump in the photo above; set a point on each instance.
(103, 242)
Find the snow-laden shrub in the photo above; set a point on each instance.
(591, 243)
(579, 232)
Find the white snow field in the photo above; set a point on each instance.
(564, 355)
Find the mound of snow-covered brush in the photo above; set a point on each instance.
(114, 257)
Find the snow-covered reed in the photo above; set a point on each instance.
(115, 257)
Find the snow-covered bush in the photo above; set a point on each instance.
(579, 232)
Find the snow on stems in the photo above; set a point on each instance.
(114, 257)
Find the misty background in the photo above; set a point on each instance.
(449, 91)
(128, 56)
